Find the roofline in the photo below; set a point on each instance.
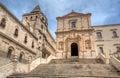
(26, 14)
(51, 36)
(33, 13)
(16, 19)
(106, 25)
(72, 16)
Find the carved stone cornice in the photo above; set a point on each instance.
(17, 43)
(75, 30)
(74, 14)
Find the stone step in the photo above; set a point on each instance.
(56, 76)
(74, 60)
(76, 69)
(79, 69)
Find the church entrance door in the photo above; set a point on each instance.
(74, 49)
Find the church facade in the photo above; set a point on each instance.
(26, 44)
(77, 38)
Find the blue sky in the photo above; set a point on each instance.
(103, 11)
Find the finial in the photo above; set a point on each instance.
(72, 10)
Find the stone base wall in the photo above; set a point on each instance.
(6, 70)
(64, 55)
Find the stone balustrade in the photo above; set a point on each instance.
(6, 70)
(104, 58)
(115, 62)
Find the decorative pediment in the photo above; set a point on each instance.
(73, 14)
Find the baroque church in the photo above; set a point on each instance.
(80, 50)
(76, 37)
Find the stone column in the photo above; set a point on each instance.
(15, 62)
(46, 57)
(107, 57)
(29, 64)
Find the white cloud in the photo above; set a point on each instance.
(101, 10)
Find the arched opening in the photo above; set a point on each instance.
(21, 57)
(3, 22)
(74, 49)
(9, 53)
(16, 32)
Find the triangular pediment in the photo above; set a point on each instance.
(73, 14)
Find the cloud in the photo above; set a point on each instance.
(103, 11)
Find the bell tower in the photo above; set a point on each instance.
(35, 21)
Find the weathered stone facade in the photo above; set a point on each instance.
(27, 44)
(109, 39)
(79, 36)
(74, 31)
(22, 43)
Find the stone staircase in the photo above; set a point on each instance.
(3, 59)
(76, 61)
(72, 68)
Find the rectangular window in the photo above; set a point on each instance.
(101, 50)
(114, 34)
(99, 35)
(118, 49)
(73, 24)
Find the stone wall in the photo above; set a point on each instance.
(6, 70)
(108, 41)
(9, 39)
(80, 34)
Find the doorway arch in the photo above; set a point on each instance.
(74, 49)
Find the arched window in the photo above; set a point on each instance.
(21, 57)
(30, 18)
(16, 32)
(32, 44)
(3, 22)
(9, 53)
(25, 40)
(88, 44)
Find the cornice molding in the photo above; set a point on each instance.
(15, 18)
(75, 30)
(17, 43)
